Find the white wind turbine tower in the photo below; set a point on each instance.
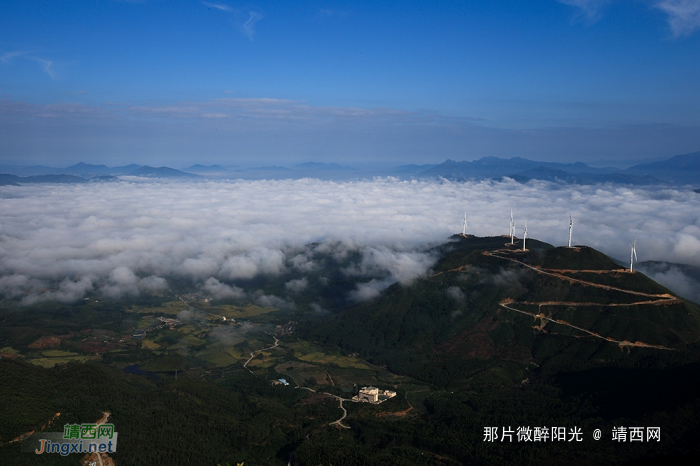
(524, 235)
(571, 227)
(464, 225)
(633, 254)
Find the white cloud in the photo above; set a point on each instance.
(218, 290)
(456, 294)
(18, 285)
(589, 8)
(270, 300)
(369, 290)
(297, 286)
(153, 283)
(47, 66)
(259, 127)
(674, 279)
(318, 309)
(191, 315)
(248, 28)
(218, 6)
(68, 291)
(403, 267)
(303, 263)
(122, 282)
(62, 241)
(8, 56)
(198, 268)
(508, 279)
(256, 261)
(231, 335)
(683, 15)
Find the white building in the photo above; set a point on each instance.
(370, 394)
(373, 394)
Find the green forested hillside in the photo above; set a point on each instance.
(487, 302)
(493, 337)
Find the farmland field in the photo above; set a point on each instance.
(340, 361)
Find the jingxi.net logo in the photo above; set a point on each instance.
(75, 438)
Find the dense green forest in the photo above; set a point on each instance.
(243, 418)
(467, 348)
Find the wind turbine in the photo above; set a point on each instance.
(633, 254)
(464, 225)
(571, 227)
(525, 235)
(512, 227)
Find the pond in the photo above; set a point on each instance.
(134, 369)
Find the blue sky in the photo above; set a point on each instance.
(261, 83)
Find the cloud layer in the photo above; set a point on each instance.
(589, 8)
(121, 239)
(267, 131)
(683, 15)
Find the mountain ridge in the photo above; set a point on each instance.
(162, 172)
(678, 169)
(488, 303)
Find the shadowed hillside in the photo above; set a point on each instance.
(546, 338)
(489, 303)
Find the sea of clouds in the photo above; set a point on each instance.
(124, 238)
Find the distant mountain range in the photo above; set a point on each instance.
(162, 172)
(84, 172)
(549, 174)
(322, 166)
(413, 169)
(680, 169)
(13, 180)
(83, 169)
(198, 168)
(490, 167)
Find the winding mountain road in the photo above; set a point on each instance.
(339, 422)
(656, 299)
(252, 355)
